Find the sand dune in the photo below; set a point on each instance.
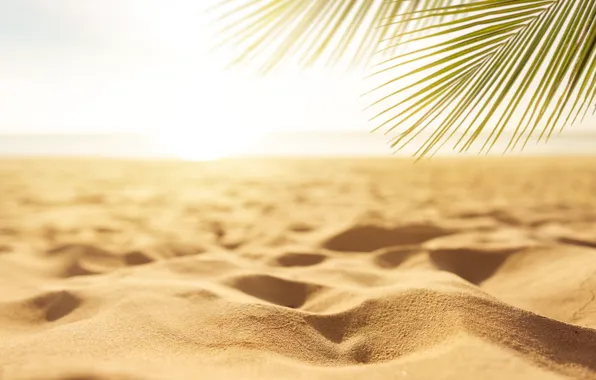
(298, 269)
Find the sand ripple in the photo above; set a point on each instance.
(464, 276)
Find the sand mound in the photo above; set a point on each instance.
(468, 276)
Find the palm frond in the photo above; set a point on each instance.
(524, 66)
(271, 31)
(448, 70)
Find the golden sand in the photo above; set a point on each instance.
(298, 269)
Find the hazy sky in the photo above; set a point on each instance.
(144, 65)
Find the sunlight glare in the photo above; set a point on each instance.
(205, 144)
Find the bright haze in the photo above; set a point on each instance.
(146, 68)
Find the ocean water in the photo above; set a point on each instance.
(309, 144)
(84, 145)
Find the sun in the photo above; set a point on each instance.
(204, 145)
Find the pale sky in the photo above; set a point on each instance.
(146, 66)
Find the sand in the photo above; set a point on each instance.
(298, 269)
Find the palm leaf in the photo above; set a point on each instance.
(447, 70)
(269, 32)
(530, 66)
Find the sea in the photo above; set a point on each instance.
(279, 144)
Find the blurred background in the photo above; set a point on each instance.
(139, 78)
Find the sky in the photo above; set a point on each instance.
(148, 66)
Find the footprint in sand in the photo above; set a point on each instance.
(83, 259)
(279, 291)
(300, 227)
(137, 258)
(476, 256)
(298, 259)
(48, 306)
(392, 257)
(368, 238)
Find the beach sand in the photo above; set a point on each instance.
(298, 269)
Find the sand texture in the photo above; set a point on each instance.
(298, 269)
